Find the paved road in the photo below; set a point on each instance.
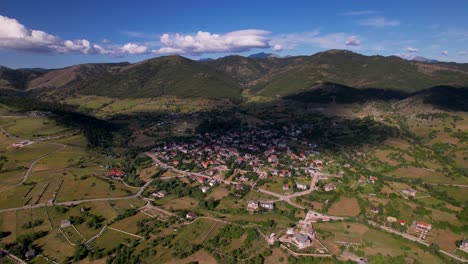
(415, 239)
(185, 173)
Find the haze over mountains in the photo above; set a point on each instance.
(264, 74)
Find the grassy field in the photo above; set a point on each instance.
(55, 246)
(129, 224)
(111, 239)
(31, 128)
(374, 241)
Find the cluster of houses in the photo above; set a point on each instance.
(301, 236)
(251, 147)
(253, 206)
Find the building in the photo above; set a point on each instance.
(160, 194)
(65, 223)
(269, 205)
(212, 183)
(410, 192)
(330, 187)
(464, 244)
(286, 187)
(205, 189)
(301, 186)
(273, 159)
(423, 226)
(373, 179)
(391, 219)
(191, 216)
(302, 240)
(116, 174)
(374, 209)
(22, 143)
(252, 206)
(401, 222)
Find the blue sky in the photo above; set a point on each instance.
(54, 34)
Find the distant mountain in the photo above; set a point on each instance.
(263, 55)
(226, 77)
(425, 60)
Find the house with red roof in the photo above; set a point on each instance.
(116, 174)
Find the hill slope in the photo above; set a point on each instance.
(226, 77)
(171, 75)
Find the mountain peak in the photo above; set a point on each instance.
(263, 55)
(425, 60)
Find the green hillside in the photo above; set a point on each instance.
(355, 70)
(172, 75)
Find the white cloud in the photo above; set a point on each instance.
(412, 50)
(445, 52)
(15, 36)
(353, 41)
(463, 53)
(277, 47)
(132, 48)
(379, 22)
(206, 42)
(359, 13)
(314, 38)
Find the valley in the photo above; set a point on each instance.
(265, 165)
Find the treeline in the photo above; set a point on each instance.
(98, 132)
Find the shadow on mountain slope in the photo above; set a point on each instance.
(442, 97)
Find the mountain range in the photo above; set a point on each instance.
(263, 74)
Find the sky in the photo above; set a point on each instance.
(54, 34)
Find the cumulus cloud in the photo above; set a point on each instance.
(445, 52)
(379, 22)
(412, 50)
(463, 53)
(353, 41)
(206, 42)
(132, 48)
(15, 36)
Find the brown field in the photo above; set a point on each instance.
(201, 257)
(396, 142)
(181, 203)
(382, 155)
(275, 256)
(425, 175)
(8, 225)
(445, 239)
(438, 215)
(145, 174)
(346, 206)
(218, 193)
